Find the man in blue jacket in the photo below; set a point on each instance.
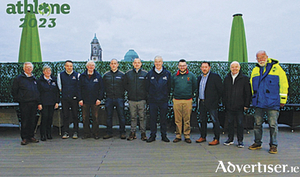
(90, 94)
(67, 82)
(158, 88)
(25, 92)
(269, 86)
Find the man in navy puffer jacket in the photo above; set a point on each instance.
(90, 95)
(158, 88)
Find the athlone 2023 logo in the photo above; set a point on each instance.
(44, 9)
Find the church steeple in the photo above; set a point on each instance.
(96, 50)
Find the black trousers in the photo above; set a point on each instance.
(28, 119)
(47, 119)
(68, 104)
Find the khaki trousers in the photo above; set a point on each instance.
(182, 112)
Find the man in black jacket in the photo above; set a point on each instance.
(90, 94)
(135, 84)
(67, 82)
(236, 99)
(114, 87)
(25, 92)
(210, 90)
(158, 87)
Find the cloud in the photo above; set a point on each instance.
(194, 29)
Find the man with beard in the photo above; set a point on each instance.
(184, 85)
(210, 91)
(269, 86)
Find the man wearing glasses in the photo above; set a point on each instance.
(184, 85)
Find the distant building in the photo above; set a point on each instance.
(96, 50)
(130, 55)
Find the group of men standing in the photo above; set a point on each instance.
(268, 85)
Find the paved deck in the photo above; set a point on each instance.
(116, 157)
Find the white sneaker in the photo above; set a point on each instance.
(228, 142)
(65, 136)
(75, 136)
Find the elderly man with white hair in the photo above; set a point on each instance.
(269, 86)
(90, 95)
(236, 99)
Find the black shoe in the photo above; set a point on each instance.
(123, 136)
(187, 140)
(165, 139)
(43, 138)
(49, 136)
(24, 142)
(151, 138)
(86, 137)
(107, 136)
(176, 140)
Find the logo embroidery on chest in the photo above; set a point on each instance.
(95, 80)
(188, 78)
(73, 77)
(152, 77)
(165, 78)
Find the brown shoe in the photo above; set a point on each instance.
(273, 149)
(214, 142)
(131, 136)
(200, 140)
(143, 137)
(176, 140)
(33, 140)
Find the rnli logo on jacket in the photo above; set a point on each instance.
(95, 80)
(165, 78)
(53, 83)
(188, 78)
(152, 78)
(34, 82)
(73, 77)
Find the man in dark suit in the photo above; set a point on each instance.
(209, 93)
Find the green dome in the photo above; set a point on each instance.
(130, 55)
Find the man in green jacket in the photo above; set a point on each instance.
(184, 84)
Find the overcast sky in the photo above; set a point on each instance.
(191, 29)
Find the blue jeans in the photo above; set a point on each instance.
(273, 125)
(110, 103)
(238, 116)
(163, 109)
(215, 120)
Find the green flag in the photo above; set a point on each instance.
(30, 49)
(238, 46)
